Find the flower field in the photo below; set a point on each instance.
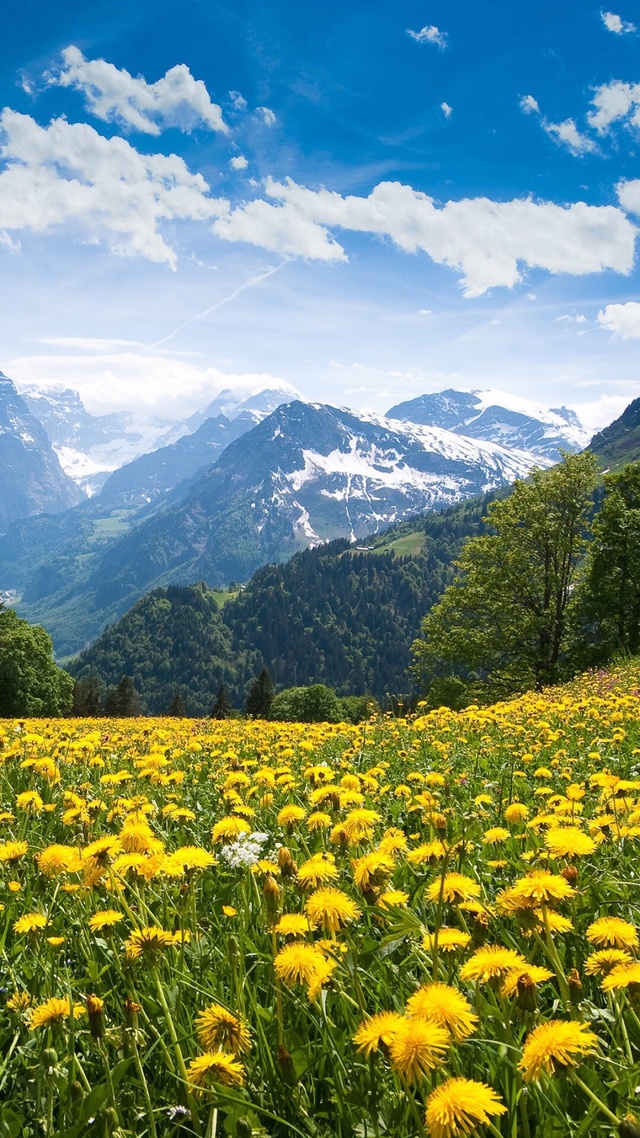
(404, 928)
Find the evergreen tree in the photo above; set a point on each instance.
(222, 705)
(502, 624)
(122, 702)
(260, 696)
(176, 707)
(87, 697)
(609, 610)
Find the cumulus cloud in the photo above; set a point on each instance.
(487, 242)
(568, 135)
(238, 163)
(615, 24)
(629, 195)
(112, 94)
(614, 102)
(429, 34)
(68, 174)
(446, 110)
(621, 319)
(268, 117)
(238, 100)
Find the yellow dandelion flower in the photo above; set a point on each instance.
(30, 800)
(392, 898)
(359, 825)
(491, 962)
(12, 851)
(449, 940)
(540, 887)
(330, 908)
(428, 852)
(525, 973)
(316, 870)
(377, 1030)
(104, 920)
(229, 911)
(605, 960)
(217, 1027)
(292, 924)
(228, 829)
(459, 1106)
(14, 886)
(612, 931)
(495, 835)
(568, 841)
(147, 942)
(58, 859)
(446, 1006)
(298, 964)
(372, 870)
(516, 812)
(290, 815)
(189, 857)
(318, 820)
(558, 1043)
(623, 976)
(19, 1002)
(417, 1047)
(454, 888)
(30, 923)
(53, 1011)
(215, 1067)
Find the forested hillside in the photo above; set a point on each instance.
(338, 614)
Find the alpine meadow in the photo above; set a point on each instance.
(319, 570)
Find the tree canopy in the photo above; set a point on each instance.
(501, 626)
(31, 683)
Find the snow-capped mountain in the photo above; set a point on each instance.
(305, 474)
(255, 401)
(90, 446)
(498, 417)
(32, 480)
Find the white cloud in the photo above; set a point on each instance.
(568, 319)
(145, 383)
(239, 102)
(101, 188)
(429, 34)
(621, 319)
(489, 243)
(238, 163)
(268, 116)
(615, 24)
(629, 195)
(112, 94)
(615, 101)
(446, 110)
(568, 134)
(529, 105)
(600, 412)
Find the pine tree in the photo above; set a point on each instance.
(177, 708)
(122, 701)
(87, 697)
(260, 696)
(222, 705)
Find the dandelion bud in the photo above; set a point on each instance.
(440, 822)
(570, 874)
(526, 998)
(244, 1129)
(479, 930)
(628, 1127)
(49, 1057)
(95, 1012)
(131, 1009)
(575, 986)
(287, 1068)
(286, 863)
(76, 1090)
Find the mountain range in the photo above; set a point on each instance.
(250, 480)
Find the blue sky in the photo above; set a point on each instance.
(367, 201)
